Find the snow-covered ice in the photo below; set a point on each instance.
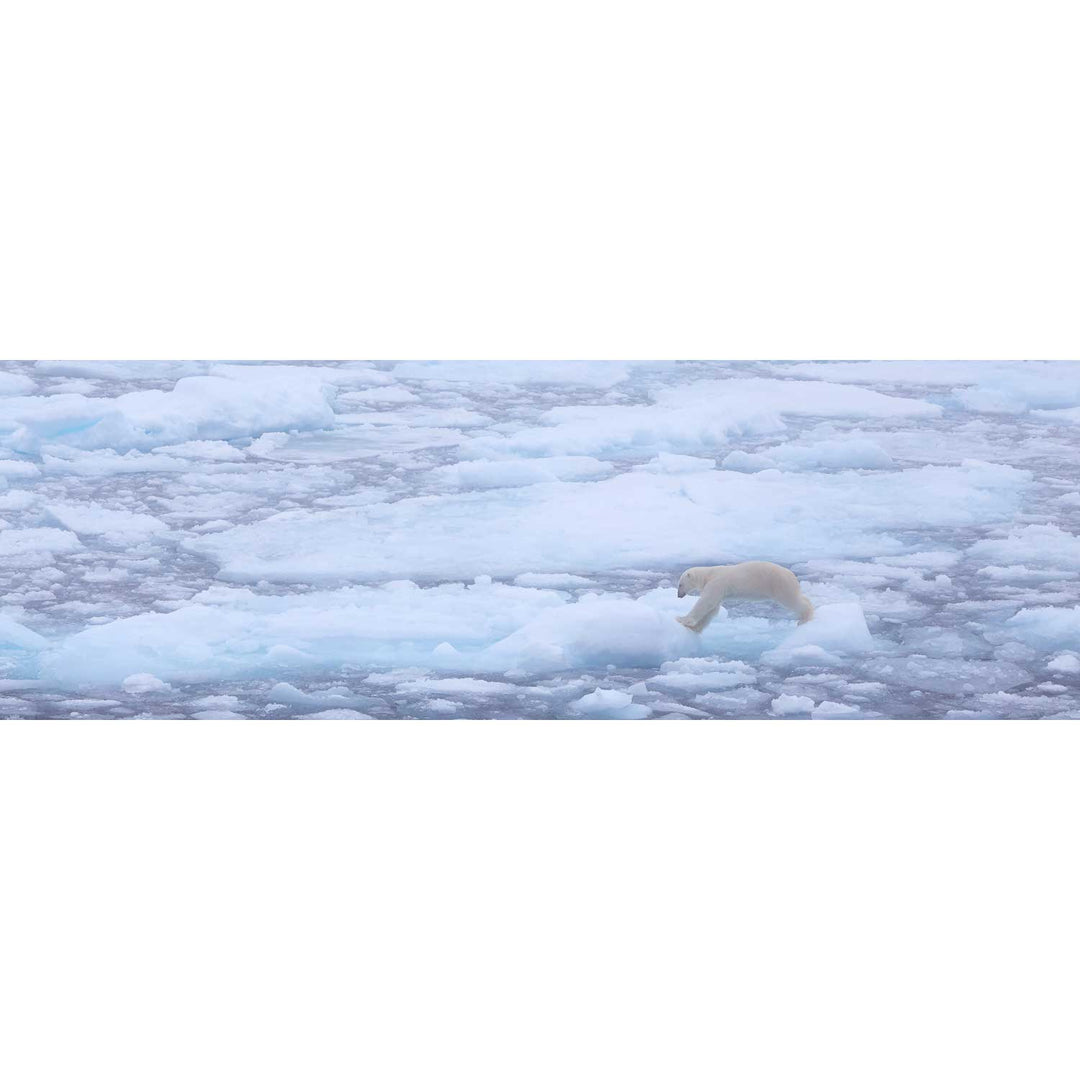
(466, 539)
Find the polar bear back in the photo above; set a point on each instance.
(758, 580)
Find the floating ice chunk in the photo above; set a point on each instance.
(795, 398)
(144, 683)
(467, 686)
(11, 706)
(1039, 545)
(1069, 662)
(18, 500)
(852, 453)
(552, 581)
(790, 704)
(835, 630)
(929, 560)
(673, 464)
(444, 707)
(208, 407)
(217, 701)
(997, 386)
(379, 395)
(741, 461)
(1028, 384)
(90, 519)
(336, 697)
(912, 372)
(517, 472)
(203, 450)
(673, 710)
(267, 444)
(598, 373)
(18, 470)
(13, 635)
(865, 575)
(217, 714)
(287, 656)
(207, 504)
(988, 400)
(19, 542)
(1022, 703)
(361, 439)
(1022, 573)
(68, 460)
(122, 370)
(610, 705)
(13, 384)
(338, 714)
(197, 408)
(354, 373)
(1042, 627)
(1071, 498)
(1016, 650)
(744, 700)
(708, 664)
(831, 710)
(622, 632)
(701, 674)
(808, 656)
(616, 429)
(72, 386)
(419, 418)
(695, 682)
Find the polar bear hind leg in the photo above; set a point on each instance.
(793, 598)
(805, 609)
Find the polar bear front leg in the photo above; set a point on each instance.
(701, 614)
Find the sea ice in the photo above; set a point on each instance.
(708, 517)
(851, 453)
(833, 710)
(370, 516)
(144, 683)
(89, 519)
(1069, 662)
(610, 705)
(791, 705)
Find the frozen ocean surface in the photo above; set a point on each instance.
(439, 540)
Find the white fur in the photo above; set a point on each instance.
(747, 580)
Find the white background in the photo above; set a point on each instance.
(558, 180)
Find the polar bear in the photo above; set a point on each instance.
(748, 580)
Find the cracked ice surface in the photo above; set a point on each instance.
(441, 540)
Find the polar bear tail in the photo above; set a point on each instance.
(804, 609)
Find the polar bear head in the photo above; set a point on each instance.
(693, 580)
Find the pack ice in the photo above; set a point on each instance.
(468, 539)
